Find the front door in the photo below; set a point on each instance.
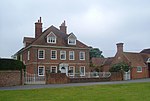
(63, 67)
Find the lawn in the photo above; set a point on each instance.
(117, 92)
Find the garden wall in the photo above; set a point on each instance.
(116, 76)
(11, 78)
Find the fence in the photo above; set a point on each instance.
(90, 75)
(33, 79)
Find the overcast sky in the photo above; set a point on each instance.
(97, 23)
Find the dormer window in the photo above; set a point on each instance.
(51, 38)
(72, 39)
(148, 60)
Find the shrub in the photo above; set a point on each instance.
(10, 64)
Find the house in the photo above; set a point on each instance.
(54, 50)
(139, 62)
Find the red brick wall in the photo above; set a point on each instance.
(139, 75)
(116, 76)
(10, 78)
(34, 62)
(56, 78)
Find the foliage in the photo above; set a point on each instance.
(10, 64)
(120, 67)
(95, 52)
(115, 92)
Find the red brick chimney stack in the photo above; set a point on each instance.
(63, 27)
(38, 28)
(119, 47)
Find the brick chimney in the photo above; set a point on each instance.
(63, 27)
(38, 28)
(119, 47)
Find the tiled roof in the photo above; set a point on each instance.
(102, 61)
(147, 51)
(61, 39)
(28, 39)
(135, 59)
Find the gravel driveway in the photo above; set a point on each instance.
(70, 84)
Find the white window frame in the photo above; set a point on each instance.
(43, 54)
(73, 55)
(28, 55)
(81, 52)
(139, 69)
(72, 74)
(72, 41)
(82, 74)
(61, 53)
(55, 68)
(51, 39)
(43, 74)
(55, 55)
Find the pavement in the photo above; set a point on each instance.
(26, 87)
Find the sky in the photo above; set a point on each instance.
(97, 23)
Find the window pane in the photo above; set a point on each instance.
(41, 54)
(62, 55)
(53, 54)
(41, 71)
(71, 55)
(82, 55)
(82, 70)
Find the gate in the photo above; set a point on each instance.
(126, 76)
(33, 79)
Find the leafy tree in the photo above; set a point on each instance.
(120, 67)
(95, 52)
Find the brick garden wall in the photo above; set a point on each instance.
(56, 78)
(10, 78)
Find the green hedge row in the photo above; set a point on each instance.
(10, 64)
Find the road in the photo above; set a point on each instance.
(23, 87)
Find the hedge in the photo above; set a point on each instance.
(10, 64)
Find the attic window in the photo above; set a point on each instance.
(51, 38)
(72, 39)
(148, 60)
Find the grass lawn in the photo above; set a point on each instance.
(117, 92)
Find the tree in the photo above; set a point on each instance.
(95, 52)
(119, 67)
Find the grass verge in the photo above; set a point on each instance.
(117, 92)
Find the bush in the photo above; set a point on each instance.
(120, 67)
(10, 64)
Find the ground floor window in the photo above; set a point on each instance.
(139, 69)
(82, 71)
(53, 69)
(71, 70)
(41, 71)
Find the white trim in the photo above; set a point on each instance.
(28, 55)
(73, 70)
(72, 37)
(55, 67)
(43, 53)
(80, 55)
(61, 54)
(72, 54)
(148, 60)
(55, 55)
(139, 68)
(51, 38)
(43, 70)
(81, 72)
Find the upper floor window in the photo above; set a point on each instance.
(71, 55)
(51, 38)
(139, 69)
(82, 55)
(41, 54)
(72, 39)
(63, 55)
(53, 54)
